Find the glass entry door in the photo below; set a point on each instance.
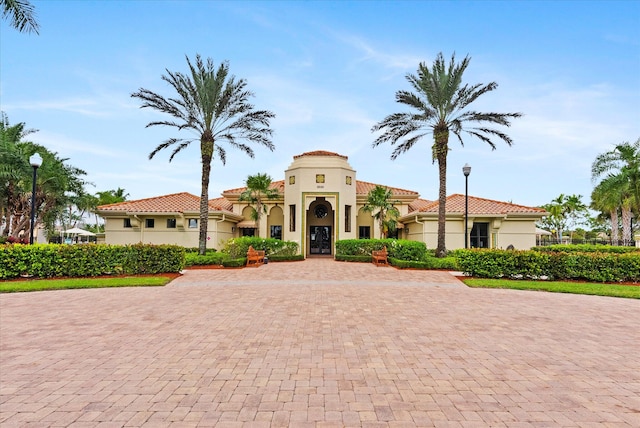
(320, 240)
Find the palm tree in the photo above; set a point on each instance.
(20, 14)
(379, 202)
(258, 191)
(215, 106)
(440, 106)
(623, 160)
(606, 199)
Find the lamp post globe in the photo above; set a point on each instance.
(466, 170)
(35, 160)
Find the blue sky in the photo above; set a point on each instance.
(329, 71)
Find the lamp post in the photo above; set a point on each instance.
(466, 170)
(35, 160)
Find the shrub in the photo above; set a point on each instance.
(210, 258)
(398, 248)
(285, 258)
(584, 248)
(232, 263)
(587, 266)
(53, 260)
(237, 247)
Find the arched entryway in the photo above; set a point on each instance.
(320, 228)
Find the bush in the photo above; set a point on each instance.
(588, 266)
(584, 248)
(234, 263)
(283, 258)
(357, 259)
(211, 258)
(54, 260)
(398, 248)
(237, 247)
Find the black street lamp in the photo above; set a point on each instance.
(466, 170)
(35, 160)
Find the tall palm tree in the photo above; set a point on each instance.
(379, 202)
(215, 106)
(623, 160)
(258, 191)
(20, 14)
(440, 104)
(606, 199)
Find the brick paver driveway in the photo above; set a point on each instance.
(318, 343)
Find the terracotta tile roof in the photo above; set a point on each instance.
(176, 202)
(320, 153)
(455, 203)
(419, 204)
(278, 185)
(363, 188)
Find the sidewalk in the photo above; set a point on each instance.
(317, 343)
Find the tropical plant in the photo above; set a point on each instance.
(379, 203)
(259, 190)
(622, 164)
(58, 184)
(20, 14)
(565, 212)
(606, 198)
(440, 103)
(215, 106)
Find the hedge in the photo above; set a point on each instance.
(397, 248)
(55, 260)
(237, 247)
(531, 264)
(585, 248)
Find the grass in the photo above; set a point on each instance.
(597, 289)
(69, 283)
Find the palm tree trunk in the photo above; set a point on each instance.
(614, 227)
(206, 150)
(626, 225)
(441, 148)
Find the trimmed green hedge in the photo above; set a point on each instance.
(397, 248)
(53, 260)
(211, 258)
(283, 258)
(590, 266)
(585, 248)
(237, 247)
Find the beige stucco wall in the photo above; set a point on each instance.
(519, 232)
(117, 234)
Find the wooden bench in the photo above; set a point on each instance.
(254, 257)
(379, 257)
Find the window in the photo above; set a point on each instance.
(292, 218)
(127, 222)
(319, 178)
(276, 232)
(248, 231)
(348, 180)
(171, 223)
(292, 179)
(149, 223)
(193, 223)
(364, 232)
(480, 235)
(347, 218)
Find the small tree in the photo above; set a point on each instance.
(259, 189)
(380, 204)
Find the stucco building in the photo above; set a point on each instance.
(320, 201)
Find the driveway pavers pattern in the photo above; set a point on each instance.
(318, 343)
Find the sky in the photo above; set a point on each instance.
(329, 71)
